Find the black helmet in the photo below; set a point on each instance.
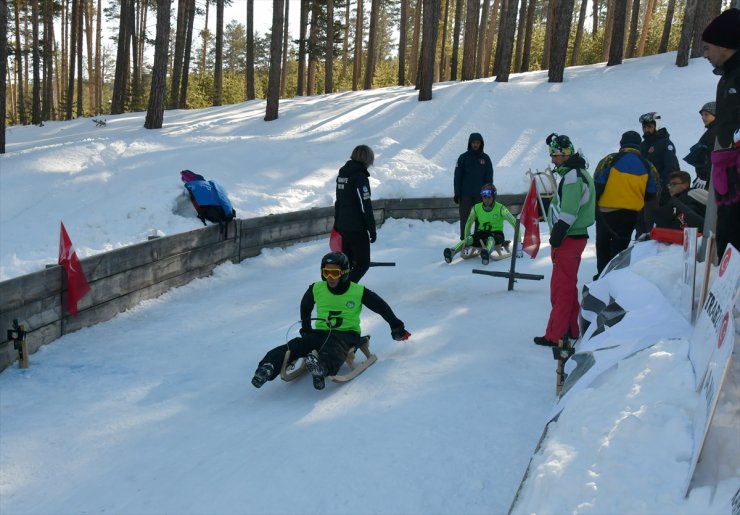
(336, 258)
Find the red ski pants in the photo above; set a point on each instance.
(564, 289)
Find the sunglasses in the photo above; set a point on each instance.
(486, 193)
(331, 273)
(674, 184)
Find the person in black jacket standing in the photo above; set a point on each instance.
(353, 211)
(473, 170)
(721, 45)
(699, 155)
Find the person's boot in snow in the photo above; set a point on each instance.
(317, 371)
(262, 374)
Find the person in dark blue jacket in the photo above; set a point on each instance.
(657, 148)
(353, 210)
(473, 170)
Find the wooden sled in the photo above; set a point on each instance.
(292, 369)
(498, 252)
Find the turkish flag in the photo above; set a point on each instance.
(77, 286)
(529, 218)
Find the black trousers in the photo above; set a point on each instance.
(466, 204)
(333, 347)
(613, 234)
(356, 246)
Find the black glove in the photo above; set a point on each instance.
(456, 199)
(373, 237)
(400, 334)
(557, 235)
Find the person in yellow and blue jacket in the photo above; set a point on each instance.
(624, 181)
(488, 219)
(338, 302)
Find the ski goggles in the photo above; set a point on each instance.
(331, 273)
(486, 193)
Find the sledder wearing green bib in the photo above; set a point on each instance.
(487, 218)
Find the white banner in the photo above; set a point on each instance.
(709, 336)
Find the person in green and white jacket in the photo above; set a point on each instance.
(572, 212)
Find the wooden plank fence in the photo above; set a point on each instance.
(122, 278)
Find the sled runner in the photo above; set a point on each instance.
(292, 369)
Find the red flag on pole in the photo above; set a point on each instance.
(77, 286)
(529, 218)
(335, 241)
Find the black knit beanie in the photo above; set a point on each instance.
(630, 139)
(724, 30)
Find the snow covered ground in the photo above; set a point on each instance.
(153, 412)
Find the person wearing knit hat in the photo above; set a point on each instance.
(570, 214)
(623, 180)
(720, 42)
(699, 155)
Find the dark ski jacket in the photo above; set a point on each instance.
(473, 170)
(728, 101)
(681, 210)
(699, 155)
(353, 209)
(660, 150)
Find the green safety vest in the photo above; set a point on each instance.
(338, 312)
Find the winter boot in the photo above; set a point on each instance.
(484, 256)
(541, 340)
(262, 374)
(448, 253)
(317, 370)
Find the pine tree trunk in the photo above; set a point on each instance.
(72, 57)
(579, 34)
(687, 29)
(670, 11)
(559, 49)
(183, 100)
(528, 36)
(36, 63)
(481, 44)
(89, 34)
(313, 41)
(456, 39)
(595, 18)
(205, 34)
(551, 16)
(301, 84)
(403, 29)
(649, 8)
(329, 52)
(218, 72)
(3, 69)
(632, 41)
(470, 39)
(415, 39)
(372, 44)
(357, 65)
(491, 38)
(608, 30)
(616, 49)
(502, 66)
(80, 96)
(273, 81)
(284, 75)
(345, 40)
(249, 82)
(47, 106)
(701, 20)
(428, 48)
(155, 111)
(521, 29)
(178, 56)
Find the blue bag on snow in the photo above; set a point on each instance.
(209, 198)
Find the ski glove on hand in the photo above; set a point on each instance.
(557, 235)
(373, 237)
(519, 250)
(456, 198)
(400, 334)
